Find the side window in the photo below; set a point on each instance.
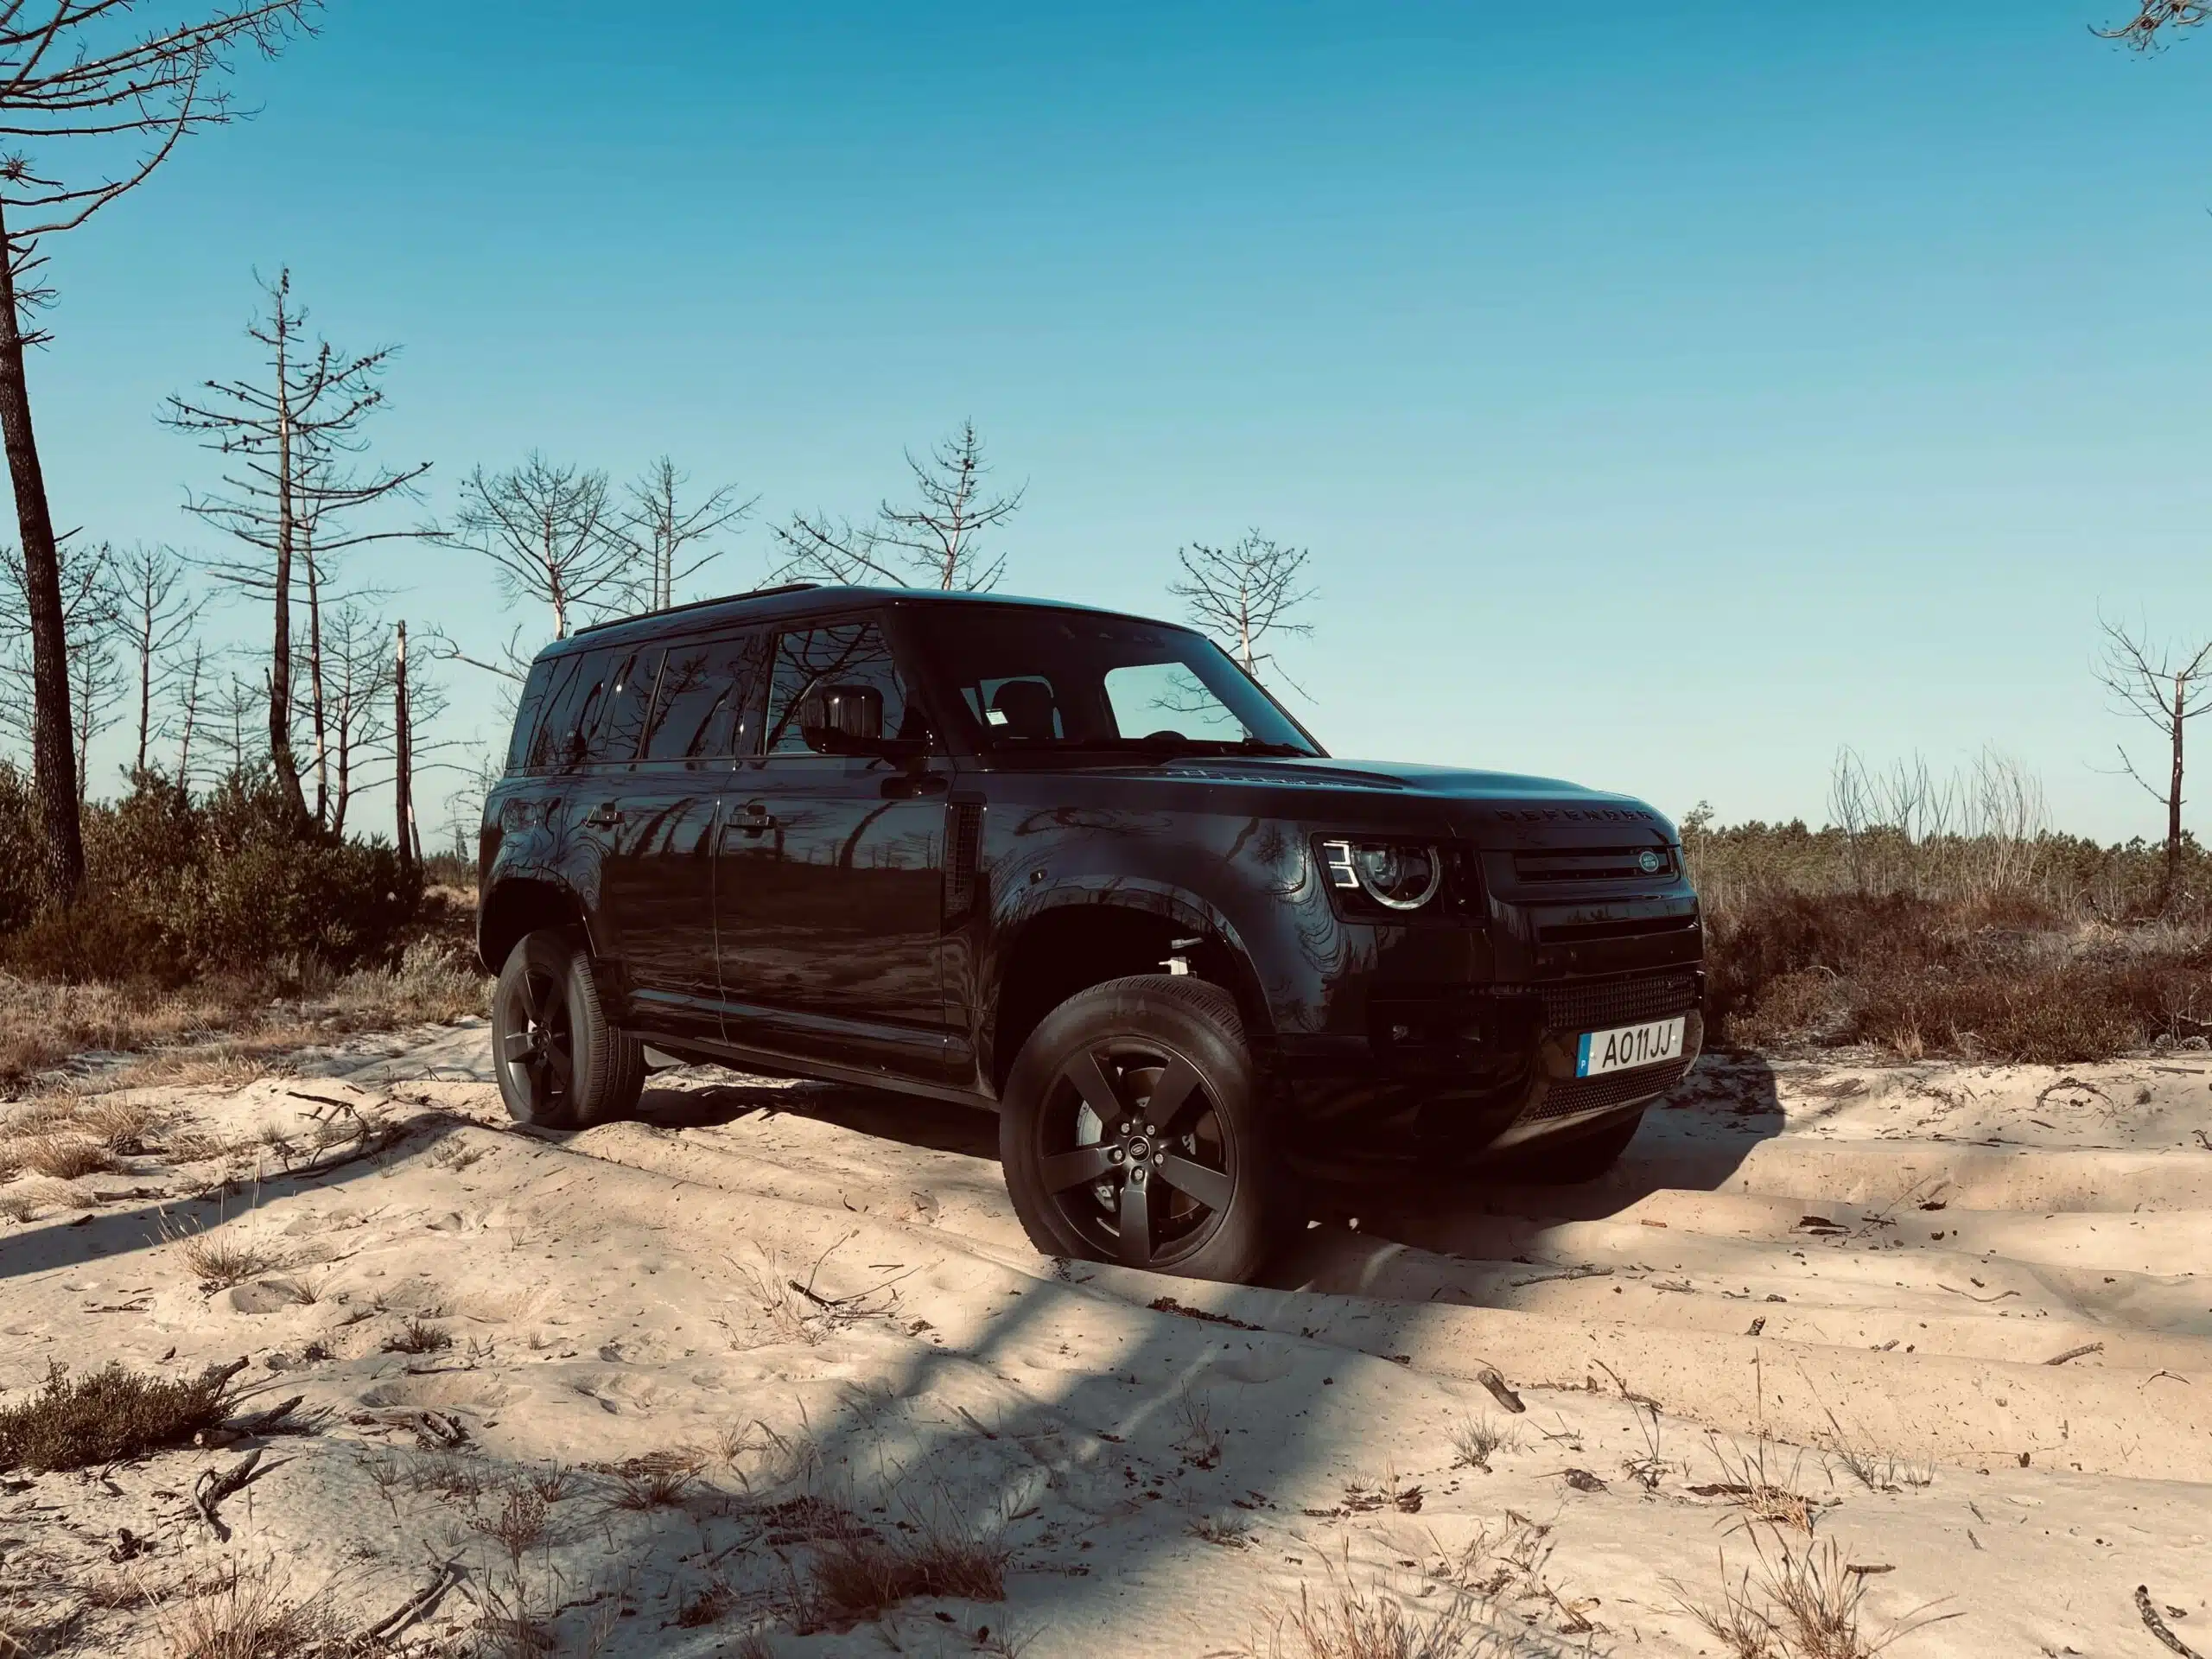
(836, 654)
(530, 705)
(572, 705)
(707, 699)
(624, 707)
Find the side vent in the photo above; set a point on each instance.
(963, 833)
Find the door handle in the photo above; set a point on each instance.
(604, 817)
(758, 820)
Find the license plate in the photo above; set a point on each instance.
(1598, 1051)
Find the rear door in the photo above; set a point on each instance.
(829, 900)
(658, 876)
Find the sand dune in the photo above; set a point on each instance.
(815, 1306)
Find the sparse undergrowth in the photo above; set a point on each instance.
(856, 1573)
(1802, 1603)
(216, 1029)
(106, 1415)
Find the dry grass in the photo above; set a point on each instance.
(659, 1481)
(553, 1483)
(1228, 1531)
(1800, 1604)
(221, 1259)
(1746, 1481)
(712, 1601)
(857, 1574)
(20, 1206)
(229, 1022)
(418, 1336)
(1877, 1470)
(107, 1415)
(519, 1526)
(1349, 1622)
(1476, 1440)
(249, 1612)
(65, 1157)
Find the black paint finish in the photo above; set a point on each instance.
(819, 913)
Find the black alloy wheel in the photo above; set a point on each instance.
(560, 1064)
(537, 1054)
(1131, 1132)
(1137, 1161)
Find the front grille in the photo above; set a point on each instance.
(1615, 1089)
(1601, 1004)
(1592, 864)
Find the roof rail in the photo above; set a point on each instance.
(698, 604)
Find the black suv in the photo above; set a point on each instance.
(1078, 868)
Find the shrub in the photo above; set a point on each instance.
(177, 889)
(106, 1415)
(1976, 978)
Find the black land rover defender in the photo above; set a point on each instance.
(1080, 868)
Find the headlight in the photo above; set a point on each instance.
(1396, 875)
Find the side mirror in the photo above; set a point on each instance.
(843, 719)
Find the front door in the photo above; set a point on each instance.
(830, 887)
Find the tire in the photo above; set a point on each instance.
(560, 1064)
(1082, 1143)
(1580, 1158)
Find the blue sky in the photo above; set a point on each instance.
(1669, 394)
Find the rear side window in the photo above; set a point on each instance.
(573, 699)
(527, 710)
(624, 708)
(707, 696)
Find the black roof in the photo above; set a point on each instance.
(791, 600)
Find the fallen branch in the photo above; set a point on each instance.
(1587, 1270)
(2157, 1626)
(1500, 1390)
(415, 1607)
(2076, 1353)
(211, 1489)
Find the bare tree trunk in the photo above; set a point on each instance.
(314, 680)
(345, 746)
(191, 714)
(145, 645)
(54, 770)
(280, 662)
(2180, 716)
(402, 770)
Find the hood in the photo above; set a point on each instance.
(1497, 809)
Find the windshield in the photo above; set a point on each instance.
(1043, 680)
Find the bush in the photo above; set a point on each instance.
(177, 890)
(107, 1415)
(1973, 979)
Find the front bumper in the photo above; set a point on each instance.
(1453, 1077)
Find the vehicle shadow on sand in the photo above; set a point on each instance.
(1694, 1138)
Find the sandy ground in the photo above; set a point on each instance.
(1944, 1331)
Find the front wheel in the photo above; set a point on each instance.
(1133, 1131)
(560, 1064)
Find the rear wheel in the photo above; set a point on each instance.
(1577, 1158)
(560, 1064)
(1133, 1130)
